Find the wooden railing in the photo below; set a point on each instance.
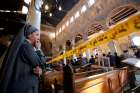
(108, 82)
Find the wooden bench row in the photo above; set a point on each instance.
(108, 82)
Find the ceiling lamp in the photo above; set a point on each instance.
(77, 14)
(83, 9)
(67, 23)
(1, 28)
(24, 10)
(60, 30)
(50, 14)
(71, 19)
(63, 27)
(91, 2)
(7, 11)
(27, 1)
(46, 7)
(59, 8)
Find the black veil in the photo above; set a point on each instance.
(9, 60)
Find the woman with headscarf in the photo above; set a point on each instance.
(21, 66)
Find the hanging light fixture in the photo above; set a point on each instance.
(46, 7)
(50, 14)
(59, 8)
(24, 10)
(27, 1)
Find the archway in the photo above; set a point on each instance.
(78, 38)
(120, 13)
(95, 28)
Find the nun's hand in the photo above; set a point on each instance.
(38, 45)
(37, 71)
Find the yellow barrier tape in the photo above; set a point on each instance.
(123, 28)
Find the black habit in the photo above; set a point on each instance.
(16, 74)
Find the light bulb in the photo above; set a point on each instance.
(60, 8)
(46, 7)
(50, 14)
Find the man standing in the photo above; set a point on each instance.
(21, 68)
(92, 60)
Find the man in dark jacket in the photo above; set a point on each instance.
(137, 54)
(92, 60)
(68, 78)
(21, 67)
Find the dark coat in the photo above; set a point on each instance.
(118, 61)
(92, 60)
(16, 74)
(68, 79)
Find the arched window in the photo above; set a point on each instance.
(120, 13)
(68, 45)
(78, 38)
(95, 28)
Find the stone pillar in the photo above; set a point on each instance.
(34, 14)
(64, 51)
(73, 46)
(85, 36)
(73, 42)
(55, 49)
(88, 51)
(112, 47)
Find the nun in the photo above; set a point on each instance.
(21, 67)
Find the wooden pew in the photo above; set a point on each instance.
(123, 75)
(110, 82)
(104, 82)
(93, 84)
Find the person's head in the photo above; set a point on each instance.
(115, 54)
(104, 54)
(125, 51)
(32, 34)
(91, 56)
(68, 61)
(74, 60)
(80, 56)
(97, 54)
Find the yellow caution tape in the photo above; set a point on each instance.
(123, 28)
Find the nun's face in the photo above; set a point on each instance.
(34, 37)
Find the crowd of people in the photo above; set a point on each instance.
(105, 60)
